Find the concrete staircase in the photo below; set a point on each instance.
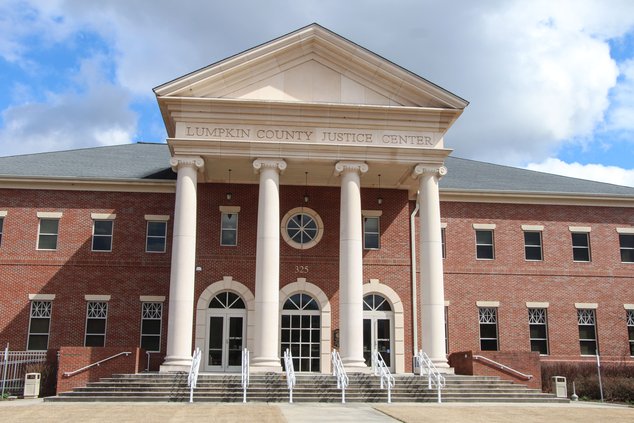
(271, 387)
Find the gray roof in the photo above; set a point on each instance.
(151, 161)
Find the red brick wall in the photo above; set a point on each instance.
(74, 358)
(127, 272)
(528, 363)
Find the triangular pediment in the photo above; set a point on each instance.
(311, 65)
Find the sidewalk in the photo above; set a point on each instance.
(36, 410)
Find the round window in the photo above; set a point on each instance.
(302, 228)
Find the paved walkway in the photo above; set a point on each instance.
(37, 411)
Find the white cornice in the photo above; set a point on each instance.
(514, 197)
(75, 184)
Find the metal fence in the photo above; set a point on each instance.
(13, 368)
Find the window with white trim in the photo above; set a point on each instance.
(488, 317)
(533, 245)
(302, 228)
(47, 234)
(156, 238)
(151, 322)
(538, 330)
(587, 331)
(102, 235)
(443, 240)
(626, 242)
(301, 332)
(96, 319)
(1, 228)
(446, 330)
(229, 229)
(581, 246)
(39, 325)
(484, 244)
(630, 330)
(371, 233)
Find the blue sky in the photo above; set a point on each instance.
(550, 83)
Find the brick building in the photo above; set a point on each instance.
(305, 200)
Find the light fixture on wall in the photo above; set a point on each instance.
(229, 195)
(306, 198)
(379, 199)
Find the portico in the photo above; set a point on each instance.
(309, 103)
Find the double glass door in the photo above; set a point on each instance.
(377, 337)
(225, 342)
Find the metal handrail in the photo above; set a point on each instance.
(503, 367)
(340, 373)
(192, 379)
(433, 375)
(290, 374)
(68, 374)
(381, 369)
(245, 374)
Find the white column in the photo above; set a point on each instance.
(181, 300)
(267, 268)
(351, 265)
(432, 295)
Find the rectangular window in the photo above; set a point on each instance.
(446, 330)
(581, 246)
(630, 330)
(1, 226)
(538, 329)
(443, 241)
(627, 247)
(151, 317)
(229, 229)
(587, 331)
(484, 245)
(96, 317)
(533, 245)
(371, 233)
(102, 235)
(47, 237)
(156, 237)
(39, 325)
(488, 328)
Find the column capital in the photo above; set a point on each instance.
(277, 164)
(342, 167)
(196, 162)
(428, 169)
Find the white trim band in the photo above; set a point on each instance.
(626, 231)
(585, 229)
(485, 226)
(536, 305)
(152, 298)
(41, 297)
(487, 303)
(49, 215)
(229, 209)
(443, 225)
(157, 217)
(587, 305)
(3, 213)
(103, 216)
(628, 306)
(533, 227)
(97, 297)
(371, 213)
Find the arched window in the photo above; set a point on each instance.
(301, 323)
(377, 328)
(227, 299)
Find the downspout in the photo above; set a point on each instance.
(412, 239)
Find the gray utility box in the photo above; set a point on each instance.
(32, 385)
(559, 386)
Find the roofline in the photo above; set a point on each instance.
(536, 197)
(88, 184)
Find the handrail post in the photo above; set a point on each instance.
(193, 373)
(340, 373)
(290, 374)
(433, 375)
(245, 374)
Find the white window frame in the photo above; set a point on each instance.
(92, 246)
(629, 317)
(3, 214)
(538, 316)
(492, 244)
(88, 316)
(224, 211)
(490, 318)
(40, 233)
(588, 317)
(581, 247)
(43, 312)
(533, 246)
(367, 232)
(148, 236)
(317, 219)
(443, 241)
(625, 232)
(160, 318)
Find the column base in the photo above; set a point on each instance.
(176, 364)
(265, 365)
(354, 364)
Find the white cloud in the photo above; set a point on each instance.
(592, 171)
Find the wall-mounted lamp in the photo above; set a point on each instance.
(379, 199)
(199, 268)
(306, 197)
(229, 195)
